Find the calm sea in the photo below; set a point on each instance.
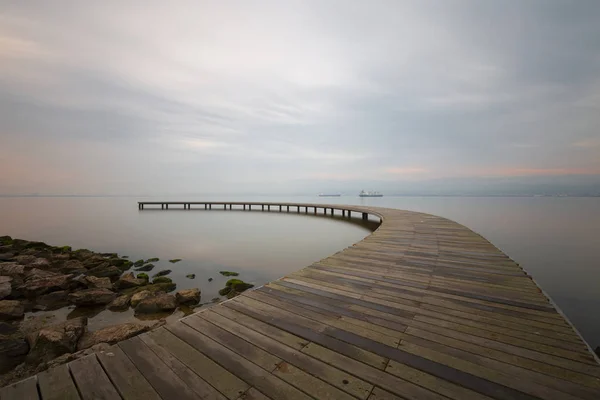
(556, 239)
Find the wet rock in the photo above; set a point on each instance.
(137, 297)
(120, 303)
(190, 276)
(147, 267)
(82, 254)
(128, 281)
(105, 271)
(25, 260)
(175, 260)
(61, 256)
(238, 285)
(91, 297)
(94, 261)
(7, 329)
(72, 267)
(162, 273)
(151, 260)
(52, 301)
(162, 279)
(188, 296)
(111, 334)
(11, 269)
(5, 286)
(156, 304)
(6, 256)
(143, 276)
(138, 263)
(37, 284)
(13, 349)
(93, 282)
(157, 287)
(41, 263)
(56, 340)
(11, 309)
(209, 279)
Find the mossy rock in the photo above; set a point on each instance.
(62, 249)
(224, 291)
(6, 240)
(147, 267)
(228, 273)
(232, 294)
(143, 275)
(138, 263)
(175, 260)
(162, 279)
(210, 279)
(151, 260)
(238, 285)
(124, 256)
(162, 273)
(190, 276)
(154, 287)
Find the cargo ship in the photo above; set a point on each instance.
(370, 194)
(329, 195)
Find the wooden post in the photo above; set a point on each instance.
(263, 207)
(210, 206)
(365, 216)
(231, 205)
(269, 207)
(166, 206)
(288, 208)
(332, 211)
(249, 207)
(305, 210)
(280, 208)
(315, 209)
(244, 207)
(343, 213)
(349, 214)
(205, 206)
(324, 210)
(298, 209)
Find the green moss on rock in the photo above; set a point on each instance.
(228, 273)
(151, 260)
(162, 273)
(175, 260)
(144, 276)
(138, 263)
(162, 279)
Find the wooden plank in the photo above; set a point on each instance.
(92, 383)
(253, 394)
(22, 390)
(198, 369)
(157, 373)
(56, 384)
(126, 378)
(252, 374)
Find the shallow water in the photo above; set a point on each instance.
(554, 239)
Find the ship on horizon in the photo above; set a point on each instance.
(370, 194)
(329, 194)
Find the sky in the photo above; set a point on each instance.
(155, 97)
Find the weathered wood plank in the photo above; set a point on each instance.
(25, 389)
(92, 383)
(57, 384)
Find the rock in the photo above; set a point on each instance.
(155, 304)
(56, 340)
(91, 297)
(6, 256)
(175, 260)
(162, 279)
(11, 269)
(37, 273)
(158, 287)
(41, 263)
(60, 256)
(137, 297)
(6, 240)
(25, 260)
(190, 276)
(7, 329)
(147, 267)
(98, 283)
(13, 349)
(238, 285)
(138, 263)
(34, 287)
(209, 279)
(11, 309)
(82, 254)
(5, 286)
(188, 296)
(215, 299)
(225, 290)
(143, 276)
(73, 267)
(105, 271)
(128, 281)
(151, 260)
(162, 273)
(228, 273)
(111, 334)
(120, 303)
(232, 294)
(53, 301)
(94, 261)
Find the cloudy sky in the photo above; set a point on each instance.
(225, 96)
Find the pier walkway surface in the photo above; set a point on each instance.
(423, 308)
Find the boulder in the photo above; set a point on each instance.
(128, 281)
(188, 296)
(105, 270)
(41, 263)
(56, 340)
(37, 273)
(97, 283)
(25, 259)
(11, 269)
(147, 267)
(156, 304)
(52, 301)
(111, 334)
(162, 273)
(11, 309)
(190, 276)
(34, 287)
(82, 254)
(91, 297)
(162, 279)
(72, 267)
(5, 286)
(137, 297)
(13, 349)
(6, 256)
(120, 303)
(7, 329)
(94, 261)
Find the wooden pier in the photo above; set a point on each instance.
(423, 308)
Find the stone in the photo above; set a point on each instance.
(188, 296)
(190, 276)
(6, 256)
(41, 263)
(82, 254)
(175, 260)
(111, 334)
(56, 340)
(138, 263)
(137, 297)
(156, 287)
(95, 261)
(52, 301)
(105, 271)
(34, 287)
(92, 297)
(97, 283)
(37, 273)
(7, 329)
(73, 267)
(13, 349)
(5, 286)
(11, 269)
(238, 285)
(11, 309)
(120, 303)
(162, 279)
(151, 260)
(162, 273)
(25, 260)
(128, 281)
(156, 304)
(147, 267)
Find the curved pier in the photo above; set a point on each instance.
(423, 308)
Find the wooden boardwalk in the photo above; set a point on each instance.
(423, 308)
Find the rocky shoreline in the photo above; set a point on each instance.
(35, 276)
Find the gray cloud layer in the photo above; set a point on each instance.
(143, 97)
